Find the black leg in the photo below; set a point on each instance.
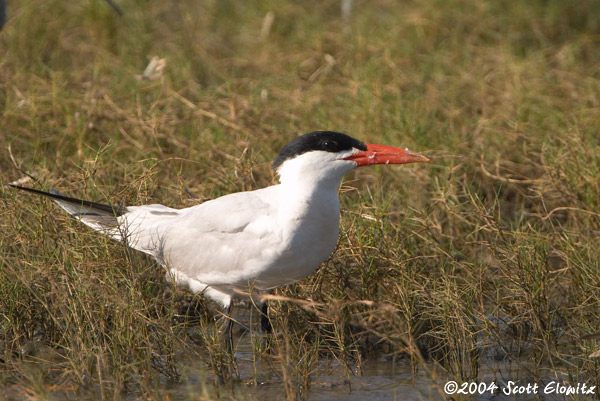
(265, 322)
(227, 329)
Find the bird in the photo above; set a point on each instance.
(246, 242)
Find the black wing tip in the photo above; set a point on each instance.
(32, 190)
(55, 195)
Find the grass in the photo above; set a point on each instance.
(489, 252)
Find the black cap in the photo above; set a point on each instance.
(328, 141)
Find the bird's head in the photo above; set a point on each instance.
(325, 155)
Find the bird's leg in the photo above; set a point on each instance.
(265, 322)
(227, 329)
(224, 362)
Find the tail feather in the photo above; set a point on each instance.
(99, 216)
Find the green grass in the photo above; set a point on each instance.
(492, 249)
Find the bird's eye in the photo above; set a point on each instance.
(329, 144)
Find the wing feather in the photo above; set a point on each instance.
(224, 242)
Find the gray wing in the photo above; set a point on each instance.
(224, 241)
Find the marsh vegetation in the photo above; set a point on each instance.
(482, 262)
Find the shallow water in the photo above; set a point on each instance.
(378, 378)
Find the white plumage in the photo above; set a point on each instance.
(256, 240)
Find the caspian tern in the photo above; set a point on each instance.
(249, 241)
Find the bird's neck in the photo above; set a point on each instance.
(309, 212)
(310, 196)
(309, 188)
(306, 178)
(303, 188)
(306, 187)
